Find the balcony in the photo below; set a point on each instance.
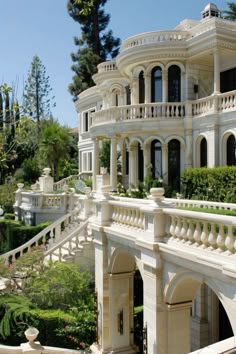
(222, 103)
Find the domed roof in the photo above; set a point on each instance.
(211, 6)
(211, 10)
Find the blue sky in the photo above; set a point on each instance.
(44, 28)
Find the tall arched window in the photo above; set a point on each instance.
(156, 159)
(203, 153)
(174, 164)
(231, 150)
(156, 84)
(174, 84)
(141, 87)
(140, 163)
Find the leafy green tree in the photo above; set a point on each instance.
(54, 146)
(95, 44)
(37, 101)
(231, 12)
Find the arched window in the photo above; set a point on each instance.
(174, 84)
(141, 87)
(156, 159)
(174, 164)
(140, 163)
(203, 153)
(231, 150)
(156, 84)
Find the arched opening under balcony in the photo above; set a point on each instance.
(231, 150)
(174, 164)
(203, 153)
(174, 84)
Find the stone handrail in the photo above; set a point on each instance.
(107, 66)
(52, 231)
(209, 231)
(164, 110)
(201, 204)
(155, 37)
(203, 106)
(73, 240)
(227, 101)
(129, 215)
(58, 186)
(36, 348)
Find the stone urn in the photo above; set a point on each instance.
(157, 194)
(31, 334)
(46, 171)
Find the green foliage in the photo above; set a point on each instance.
(95, 44)
(13, 309)
(14, 233)
(104, 154)
(37, 100)
(7, 196)
(211, 211)
(215, 184)
(54, 146)
(230, 14)
(9, 216)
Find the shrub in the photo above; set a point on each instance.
(215, 184)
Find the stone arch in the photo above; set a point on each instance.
(153, 137)
(117, 94)
(137, 70)
(136, 140)
(153, 65)
(197, 147)
(223, 152)
(184, 285)
(179, 64)
(121, 261)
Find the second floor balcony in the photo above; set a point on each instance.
(220, 103)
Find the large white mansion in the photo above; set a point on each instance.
(167, 101)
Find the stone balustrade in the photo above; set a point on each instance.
(107, 66)
(201, 204)
(155, 37)
(166, 110)
(208, 231)
(128, 215)
(50, 234)
(58, 186)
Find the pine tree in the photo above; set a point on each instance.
(95, 44)
(37, 102)
(231, 12)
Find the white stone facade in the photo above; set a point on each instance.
(167, 101)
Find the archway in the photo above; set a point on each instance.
(200, 308)
(126, 297)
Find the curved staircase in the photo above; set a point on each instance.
(68, 239)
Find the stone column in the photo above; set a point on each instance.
(131, 166)
(147, 87)
(188, 149)
(164, 85)
(134, 91)
(113, 164)
(154, 310)
(216, 71)
(146, 159)
(95, 161)
(182, 88)
(178, 328)
(165, 163)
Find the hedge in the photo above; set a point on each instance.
(214, 184)
(14, 234)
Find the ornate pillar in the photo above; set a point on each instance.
(216, 71)
(146, 159)
(179, 328)
(113, 164)
(95, 161)
(131, 166)
(147, 87)
(165, 163)
(134, 91)
(154, 313)
(164, 85)
(188, 149)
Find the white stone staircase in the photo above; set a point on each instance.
(68, 239)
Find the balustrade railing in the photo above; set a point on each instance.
(155, 37)
(201, 204)
(128, 215)
(58, 186)
(207, 231)
(52, 232)
(227, 101)
(107, 66)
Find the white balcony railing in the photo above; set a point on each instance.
(167, 110)
(155, 37)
